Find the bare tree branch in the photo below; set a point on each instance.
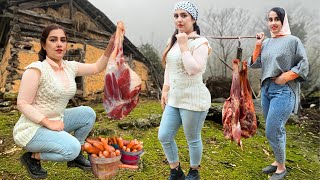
(226, 22)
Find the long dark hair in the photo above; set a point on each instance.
(45, 33)
(174, 39)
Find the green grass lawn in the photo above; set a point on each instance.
(222, 159)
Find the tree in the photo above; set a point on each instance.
(308, 21)
(153, 56)
(225, 22)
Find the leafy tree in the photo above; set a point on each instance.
(298, 29)
(151, 53)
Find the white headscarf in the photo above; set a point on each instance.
(189, 7)
(285, 30)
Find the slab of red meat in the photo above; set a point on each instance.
(238, 115)
(231, 108)
(248, 121)
(122, 84)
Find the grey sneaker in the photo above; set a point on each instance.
(193, 175)
(269, 169)
(278, 176)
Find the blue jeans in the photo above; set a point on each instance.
(277, 104)
(192, 122)
(60, 145)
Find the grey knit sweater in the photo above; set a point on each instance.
(280, 55)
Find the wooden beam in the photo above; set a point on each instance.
(23, 21)
(105, 33)
(85, 13)
(34, 30)
(80, 9)
(7, 15)
(34, 4)
(30, 34)
(16, 2)
(33, 27)
(42, 16)
(71, 10)
(57, 20)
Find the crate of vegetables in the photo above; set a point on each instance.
(104, 158)
(131, 151)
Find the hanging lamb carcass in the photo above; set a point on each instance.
(238, 115)
(122, 84)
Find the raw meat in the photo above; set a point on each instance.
(122, 84)
(238, 115)
(248, 121)
(231, 108)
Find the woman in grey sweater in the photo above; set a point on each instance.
(284, 65)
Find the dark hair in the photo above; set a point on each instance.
(174, 39)
(280, 12)
(45, 33)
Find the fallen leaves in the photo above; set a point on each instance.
(266, 152)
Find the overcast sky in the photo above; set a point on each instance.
(151, 21)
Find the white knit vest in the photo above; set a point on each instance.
(51, 99)
(187, 92)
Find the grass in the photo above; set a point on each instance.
(221, 159)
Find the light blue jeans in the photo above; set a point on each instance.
(277, 104)
(192, 122)
(60, 145)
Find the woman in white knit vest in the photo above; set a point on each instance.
(284, 65)
(185, 98)
(46, 87)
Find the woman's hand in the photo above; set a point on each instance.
(280, 79)
(182, 40)
(164, 99)
(108, 50)
(285, 77)
(164, 96)
(260, 38)
(55, 125)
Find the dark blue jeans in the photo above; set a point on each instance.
(277, 104)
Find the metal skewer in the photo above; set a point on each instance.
(222, 37)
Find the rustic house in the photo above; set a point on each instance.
(88, 31)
